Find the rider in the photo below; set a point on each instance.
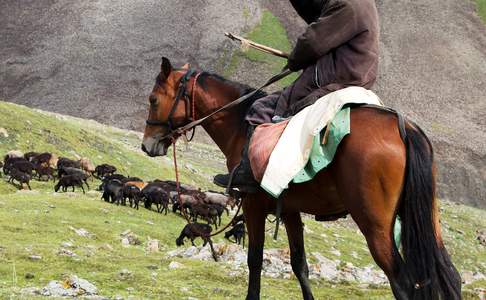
(338, 49)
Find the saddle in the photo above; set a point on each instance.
(283, 152)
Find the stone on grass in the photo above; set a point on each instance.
(175, 265)
(125, 274)
(129, 238)
(152, 246)
(481, 236)
(3, 132)
(35, 257)
(82, 232)
(66, 252)
(73, 286)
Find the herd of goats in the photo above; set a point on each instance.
(118, 189)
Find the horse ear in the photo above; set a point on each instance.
(166, 67)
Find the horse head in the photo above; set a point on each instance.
(168, 108)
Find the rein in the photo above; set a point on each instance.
(174, 133)
(182, 91)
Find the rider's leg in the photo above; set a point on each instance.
(243, 175)
(261, 111)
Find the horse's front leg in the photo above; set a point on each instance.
(255, 215)
(294, 227)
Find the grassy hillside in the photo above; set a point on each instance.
(269, 32)
(481, 4)
(40, 224)
(34, 130)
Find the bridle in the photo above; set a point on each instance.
(190, 112)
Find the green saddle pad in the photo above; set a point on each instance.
(322, 155)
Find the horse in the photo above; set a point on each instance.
(377, 174)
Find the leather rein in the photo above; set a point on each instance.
(182, 92)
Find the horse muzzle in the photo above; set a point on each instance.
(154, 147)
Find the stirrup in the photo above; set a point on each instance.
(251, 189)
(230, 181)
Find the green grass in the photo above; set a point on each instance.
(29, 225)
(269, 32)
(38, 223)
(481, 7)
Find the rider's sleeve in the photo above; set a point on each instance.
(336, 25)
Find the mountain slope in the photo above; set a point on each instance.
(98, 60)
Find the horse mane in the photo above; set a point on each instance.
(242, 88)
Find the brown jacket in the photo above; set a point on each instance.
(337, 50)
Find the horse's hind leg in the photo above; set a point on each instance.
(294, 227)
(371, 196)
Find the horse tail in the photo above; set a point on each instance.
(425, 264)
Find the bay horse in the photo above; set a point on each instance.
(375, 177)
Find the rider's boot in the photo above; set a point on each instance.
(242, 176)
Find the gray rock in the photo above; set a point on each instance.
(129, 238)
(34, 291)
(82, 232)
(72, 286)
(481, 236)
(125, 274)
(175, 265)
(3, 132)
(66, 252)
(152, 246)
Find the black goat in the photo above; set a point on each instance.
(159, 197)
(64, 162)
(109, 178)
(69, 181)
(133, 194)
(104, 170)
(21, 177)
(206, 212)
(18, 163)
(113, 191)
(194, 230)
(44, 170)
(238, 233)
(220, 209)
(239, 218)
(30, 155)
(64, 171)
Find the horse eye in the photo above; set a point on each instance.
(153, 100)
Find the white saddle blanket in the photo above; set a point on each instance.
(292, 151)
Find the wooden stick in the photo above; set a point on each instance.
(257, 46)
